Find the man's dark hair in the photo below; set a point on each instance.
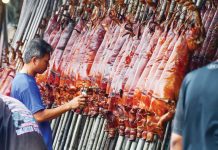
(36, 48)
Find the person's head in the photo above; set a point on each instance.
(37, 55)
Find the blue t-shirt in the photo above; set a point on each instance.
(196, 118)
(25, 89)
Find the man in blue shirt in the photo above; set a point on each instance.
(24, 88)
(196, 120)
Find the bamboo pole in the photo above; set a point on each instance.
(59, 3)
(23, 15)
(2, 15)
(110, 5)
(90, 131)
(84, 132)
(35, 27)
(142, 13)
(107, 143)
(182, 16)
(145, 13)
(158, 146)
(64, 2)
(22, 23)
(104, 140)
(135, 6)
(43, 22)
(66, 131)
(171, 10)
(167, 131)
(150, 13)
(146, 146)
(140, 144)
(76, 131)
(138, 12)
(119, 143)
(58, 131)
(61, 132)
(38, 18)
(54, 7)
(23, 10)
(93, 134)
(101, 136)
(113, 143)
(66, 147)
(3, 34)
(200, 3)
(5, 31)
(131, 2)
(124, 143)
(51, 4)
(128, 145)
(55, 126)
(45, 14)
(162, 11)
(87, 134)
(153, 143)
(33, 23)
(31, 20)
(98, 133)
(134, 144)
(53, 123)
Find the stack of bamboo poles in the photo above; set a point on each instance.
(73, 131)
(3, 33)
(33, 13)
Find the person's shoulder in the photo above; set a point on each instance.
(23, 79)
(201, 71)
(204, 69)
(198, 71)
(14, 103)
(212, 66)
(190, 76)
(22, 76)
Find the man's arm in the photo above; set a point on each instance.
(176, 142)
(49, 114)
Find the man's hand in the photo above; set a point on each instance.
(77, 102)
